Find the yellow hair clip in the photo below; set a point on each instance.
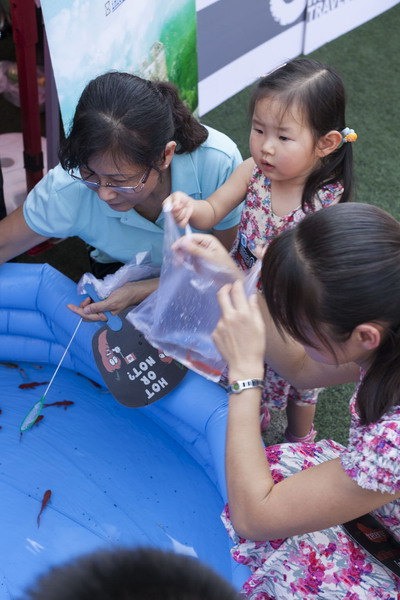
(348, 135)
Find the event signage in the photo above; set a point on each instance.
(151, 38)
(329, 19)
(211, 49)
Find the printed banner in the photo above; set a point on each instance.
(239, 41)
(328, 19)
(155, 39)
(236, 42)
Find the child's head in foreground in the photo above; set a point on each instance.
(138, 574)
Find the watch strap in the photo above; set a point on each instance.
(238, 386)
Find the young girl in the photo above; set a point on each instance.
(342, 266)
(301, 161)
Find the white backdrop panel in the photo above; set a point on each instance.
(328, 19)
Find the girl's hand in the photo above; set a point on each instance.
(206, 246)
(240, 334)
(182, 207)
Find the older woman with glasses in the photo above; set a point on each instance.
(132, 142)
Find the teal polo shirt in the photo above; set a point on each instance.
(60, 207)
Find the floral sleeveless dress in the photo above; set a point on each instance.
(327, 564)
(258, 226)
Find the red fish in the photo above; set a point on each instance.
(97, 385)
(64, 403)
(46, 498)
(23, 373)
(202, 366)
(33, 384)
(14, 366)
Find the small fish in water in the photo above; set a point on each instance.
(202, 366)
(97, 385)
(64, 403)
(15, 366)
(46, 498)
(23, 373)
(32, 384)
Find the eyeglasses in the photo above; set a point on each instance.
(131, 189)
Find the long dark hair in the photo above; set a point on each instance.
(131, 118)
(339, 268)
(317, 90)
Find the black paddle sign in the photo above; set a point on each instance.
(135, 373)
(376, 540)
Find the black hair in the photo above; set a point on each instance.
(132, 574)
(131, 118)
(317, 90)
(339, 268)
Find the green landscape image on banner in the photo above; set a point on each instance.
(178, 37)
(155, 39)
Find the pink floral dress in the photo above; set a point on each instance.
(258, 226)
(328, 564)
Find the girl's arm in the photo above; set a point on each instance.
(205, 214)
(206, 246)
(311, 500)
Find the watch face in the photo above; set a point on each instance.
(235, 386)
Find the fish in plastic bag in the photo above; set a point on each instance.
(182, 313)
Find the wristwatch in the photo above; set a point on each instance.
(244, 384)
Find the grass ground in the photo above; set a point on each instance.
(368, 60)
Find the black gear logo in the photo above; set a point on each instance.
(286, 12)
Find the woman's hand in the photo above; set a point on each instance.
(206, 246)
(83, 307)
(130, 294)
(181, 207)
(240, 334)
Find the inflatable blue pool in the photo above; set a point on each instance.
(118, 476)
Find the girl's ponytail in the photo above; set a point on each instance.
(337, 166)
(189, 133)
